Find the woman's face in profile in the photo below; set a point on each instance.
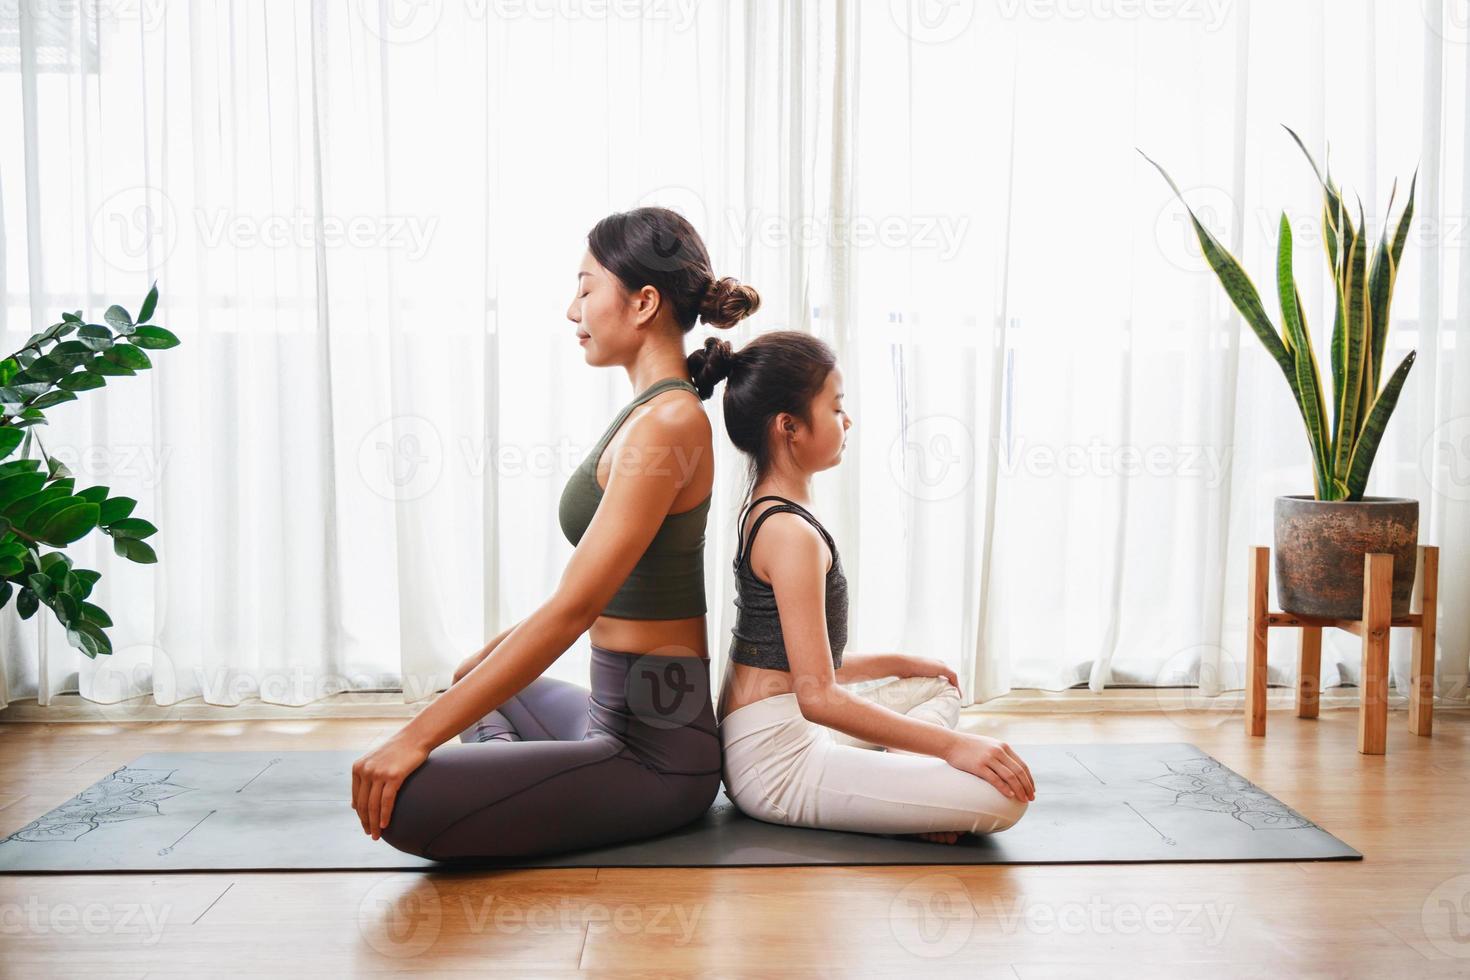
(601, 312)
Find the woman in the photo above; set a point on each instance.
(548, 766)
(798, 721)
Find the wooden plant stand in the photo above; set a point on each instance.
(1373, 628)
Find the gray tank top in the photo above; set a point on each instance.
(756, 639)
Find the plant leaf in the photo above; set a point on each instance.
(1308, 384)
(1351, 352)
(1373, 427)
(153, 337)
(145, 312)
(118, 318)
(1238, 286)
(134, 550)
(69, 524)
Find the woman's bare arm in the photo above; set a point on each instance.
(634, 505)
(469, 663)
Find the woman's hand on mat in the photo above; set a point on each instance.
(993, 761)
(376, 778)
(925, 667)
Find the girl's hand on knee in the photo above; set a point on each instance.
(376, 778)
(993, 761)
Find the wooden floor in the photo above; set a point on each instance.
(1404, 911)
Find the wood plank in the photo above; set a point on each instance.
(1425, 605)
(1257, 632)
(1373, 683)
(1309, 672)
(1364, 918)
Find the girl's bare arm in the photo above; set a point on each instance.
(795, 561)
(867, 666)
(795, 556)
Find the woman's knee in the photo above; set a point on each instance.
(418, 817)
(406, 831)
(695, 799)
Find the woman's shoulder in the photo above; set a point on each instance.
(671, 417)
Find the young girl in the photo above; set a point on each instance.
(800, 723)
(544, 765)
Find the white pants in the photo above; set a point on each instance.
(781, 768)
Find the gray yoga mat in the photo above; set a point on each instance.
(217, 811)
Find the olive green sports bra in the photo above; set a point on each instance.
(668, 581)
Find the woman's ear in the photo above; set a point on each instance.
(645, 305)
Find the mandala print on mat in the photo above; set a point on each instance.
(126, 794)
(1204, 784)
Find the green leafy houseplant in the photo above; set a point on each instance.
(1343, 454)
(40, 508)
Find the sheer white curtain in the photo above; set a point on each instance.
(1094, 439)
(365, 220)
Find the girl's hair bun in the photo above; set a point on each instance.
(727, 301)
(712, 364)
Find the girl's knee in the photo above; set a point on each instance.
(1005, 816)
(947, 703)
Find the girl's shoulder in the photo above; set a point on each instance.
(778, 530)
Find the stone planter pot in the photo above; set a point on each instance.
(1320, 546)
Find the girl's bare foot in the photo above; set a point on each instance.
(940, 836)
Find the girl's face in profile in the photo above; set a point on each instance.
(825, 437)
(603, 313)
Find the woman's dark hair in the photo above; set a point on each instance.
(779, 371)
(657, 247)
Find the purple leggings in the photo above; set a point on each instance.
(556, 768)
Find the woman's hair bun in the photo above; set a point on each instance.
(711, 364)
(728, 301)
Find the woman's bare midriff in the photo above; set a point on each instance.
(660, 637)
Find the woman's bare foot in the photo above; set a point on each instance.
(941, 836)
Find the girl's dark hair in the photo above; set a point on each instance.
(657, 247)
(779, 371)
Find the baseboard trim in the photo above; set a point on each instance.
(390, 705)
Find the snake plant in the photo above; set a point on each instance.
(1342, 454)
(41, 508)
